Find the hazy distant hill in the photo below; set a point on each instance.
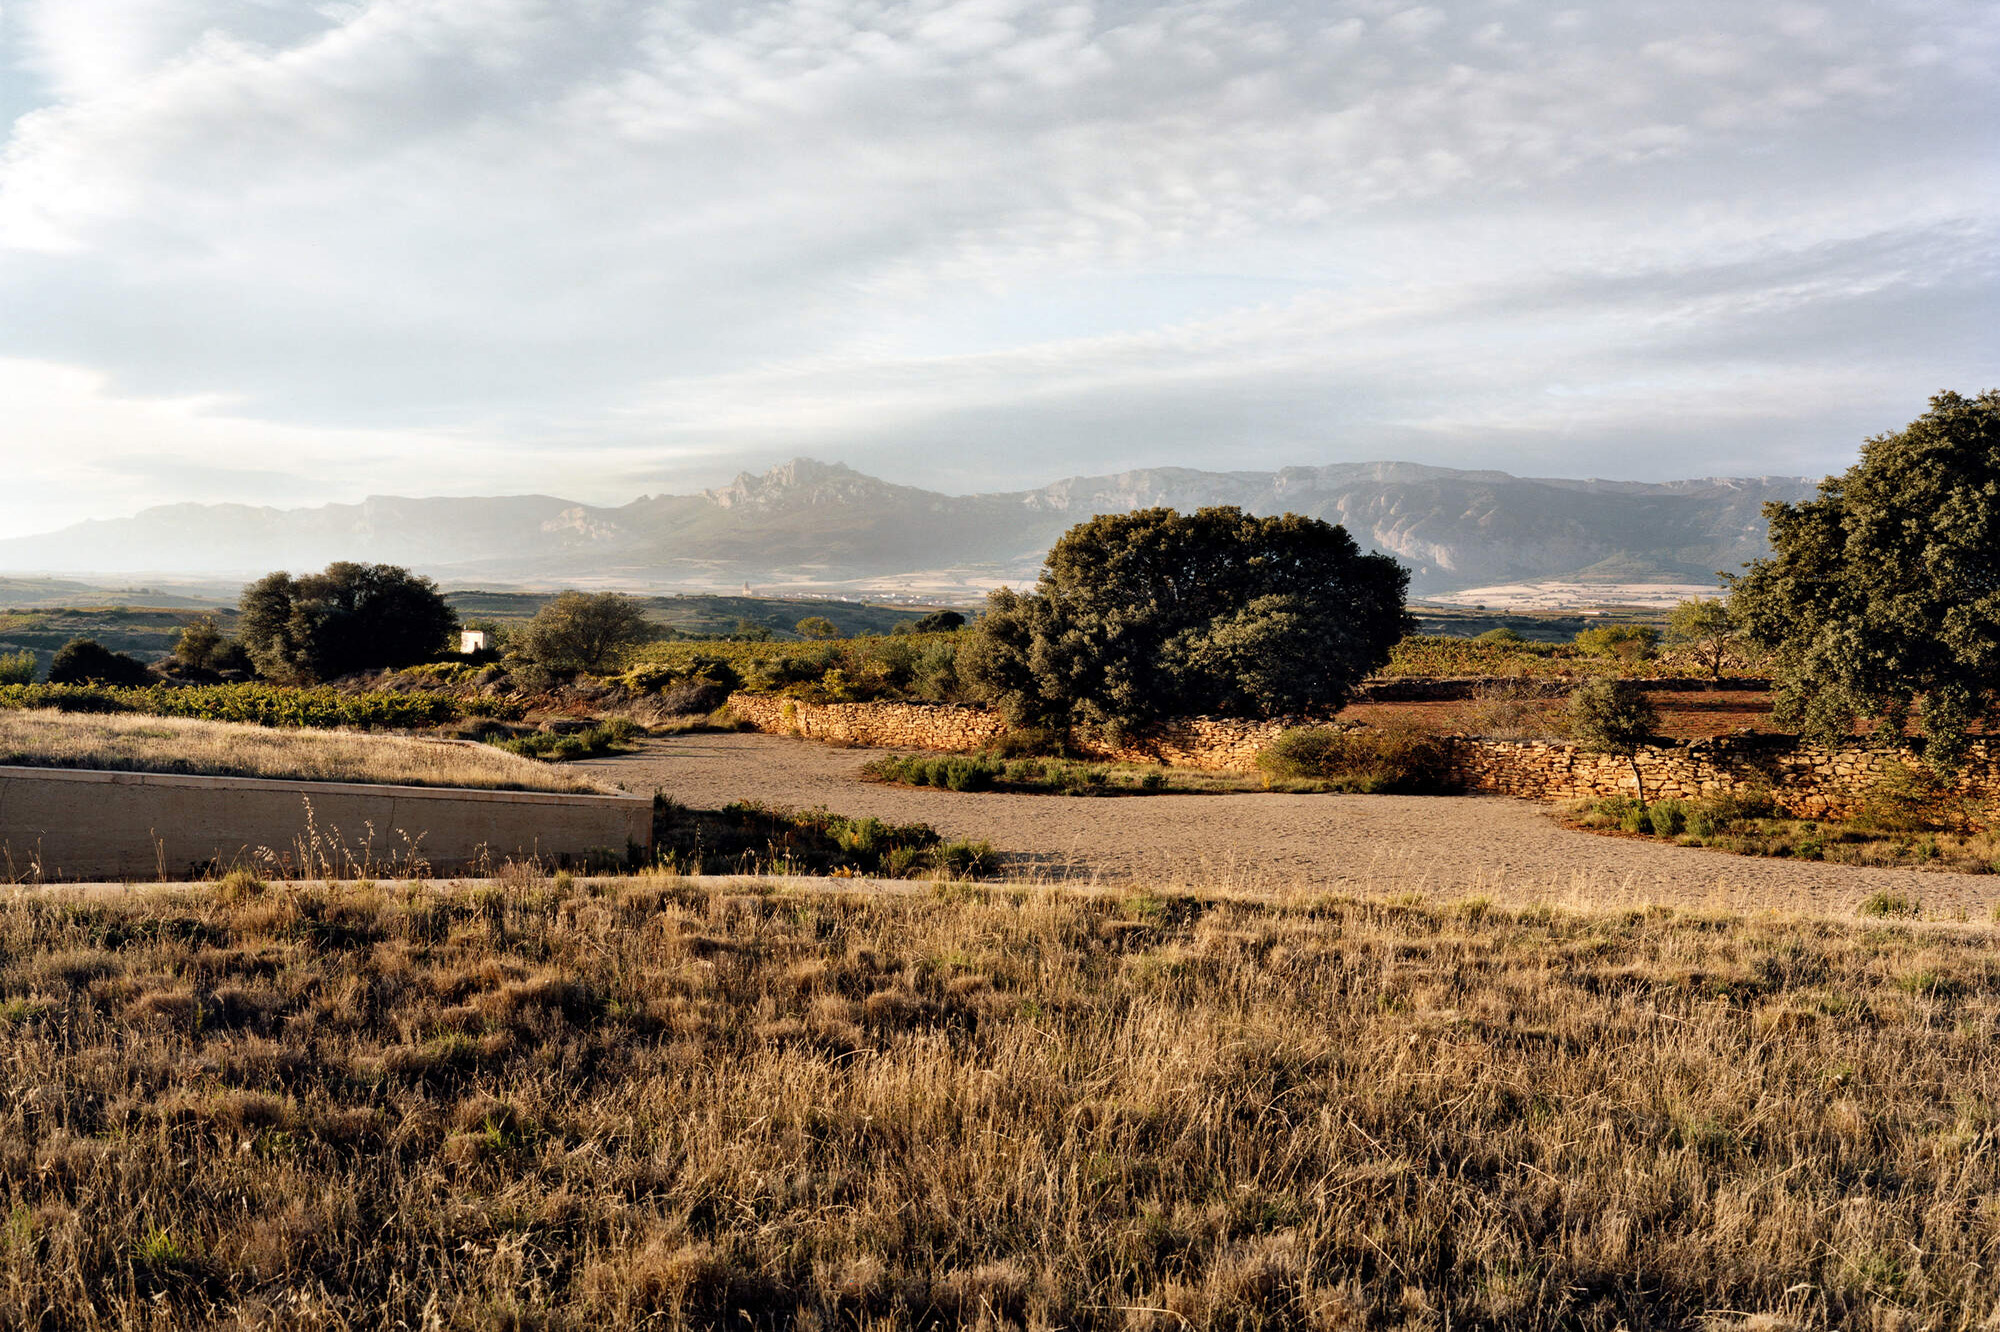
(811, 524)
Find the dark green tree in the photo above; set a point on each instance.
(87, 661)
(584, 631)
(1151, 614)
(345, 619)
(1614, 717)
(939, 622)
(1882, 594)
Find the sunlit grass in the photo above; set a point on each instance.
(50, 739)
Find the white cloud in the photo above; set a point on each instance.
(577, 230)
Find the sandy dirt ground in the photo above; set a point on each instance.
(1444, 847)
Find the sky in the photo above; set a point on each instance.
(282, 252)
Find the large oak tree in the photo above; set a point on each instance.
(1882, 595)
(347, 618)
(1151, 614)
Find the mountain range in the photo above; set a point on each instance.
(813, 526)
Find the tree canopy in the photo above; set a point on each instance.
(1150, 614)
(1882, 595)
(817, 628)
(583, 631)
(347, 618)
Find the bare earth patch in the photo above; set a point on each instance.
(1441, 846)
(43, 738)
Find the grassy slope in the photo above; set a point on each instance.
(570, 1106)
(45, 738)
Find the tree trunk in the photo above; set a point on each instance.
(1637, 780)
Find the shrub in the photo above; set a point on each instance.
(17, 668)
(816, 628)
(1667, 818)
(1625, 642)
(1510, 710)
(1368, 759)
(1501, 635)
(1885, 903)
(606, 738)
(85, 661)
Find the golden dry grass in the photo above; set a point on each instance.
(652, 1103)
(49, 739)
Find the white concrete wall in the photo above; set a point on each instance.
(65, 824)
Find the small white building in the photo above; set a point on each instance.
(471, 641)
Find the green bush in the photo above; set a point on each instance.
(609, 737)
(1625, 642)
(953, 773)
(1667, 818)
(17, 668)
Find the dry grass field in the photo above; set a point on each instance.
(654, 1103)
(45, 738)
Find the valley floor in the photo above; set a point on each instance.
(1444, 847)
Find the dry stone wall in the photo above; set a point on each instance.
(940, 726)
(1804, 779)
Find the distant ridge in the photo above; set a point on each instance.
(809, 524)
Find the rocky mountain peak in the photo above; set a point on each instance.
(800, 482)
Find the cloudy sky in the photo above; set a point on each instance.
(287, 252)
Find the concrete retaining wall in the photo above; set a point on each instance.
(1806, 780)
(65, 824)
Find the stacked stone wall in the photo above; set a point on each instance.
(1806, 780)
(939, 726)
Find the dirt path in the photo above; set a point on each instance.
(1457, 846)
